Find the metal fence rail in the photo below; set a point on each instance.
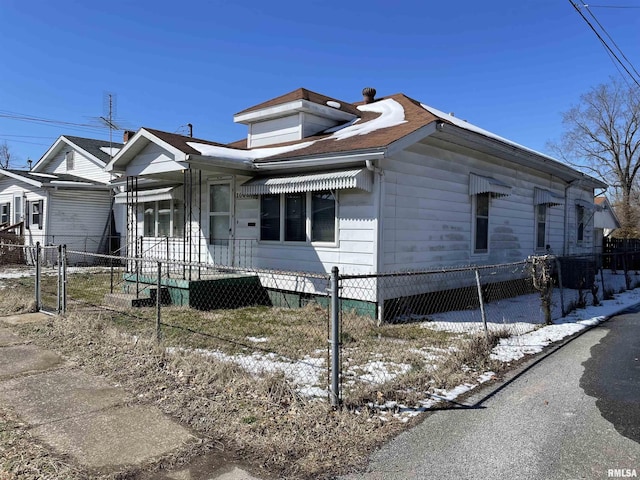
(348, 338)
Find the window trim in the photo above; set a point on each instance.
(231, 212)
(29, 215)
(580, 215)
(6, 205)
(474, 223)
(537, 224)
(156, 212)
(69, 158)
(18, 199)
(308, 221)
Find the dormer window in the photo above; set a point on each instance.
(69, 159)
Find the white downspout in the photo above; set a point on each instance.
(378, 237)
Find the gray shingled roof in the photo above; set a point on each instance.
(53, 177)
(93, 146)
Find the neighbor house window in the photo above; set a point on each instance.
(33, 217)
(69, 159)
(481, 214)
(163, 218)
(5, 213)
(17, 209)
(580, 223)
(541, 226)
(298, 217)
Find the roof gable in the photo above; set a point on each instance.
(97, 151)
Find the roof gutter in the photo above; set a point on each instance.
(222, 164)
(321, 161)
(525, 156)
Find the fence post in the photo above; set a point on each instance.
(38, 272)
(560, 284)
(59, 300)
(335, 340)
(111, 269)
(481, 300)
(64, 279)
(158, 296)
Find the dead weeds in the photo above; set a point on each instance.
(263, 416)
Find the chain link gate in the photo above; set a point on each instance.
(48, 264)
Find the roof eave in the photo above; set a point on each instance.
(21, 178)
(525, 157)
(325, 160)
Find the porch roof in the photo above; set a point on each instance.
(337, 180)
(152, 195)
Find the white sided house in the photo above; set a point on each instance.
(383, 185)
(65, 198)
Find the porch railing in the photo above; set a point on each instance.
(238, 252)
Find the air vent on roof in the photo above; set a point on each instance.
(368, 94)
(333, 104)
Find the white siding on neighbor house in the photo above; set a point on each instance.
(33, 234)
(586, 246)
(153, 159)
(78, 219)
(82, 166)
(427, 214)
(278, 130)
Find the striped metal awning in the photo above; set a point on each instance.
(312, 182)
(153, 195)
(546, 197)
(481, 184)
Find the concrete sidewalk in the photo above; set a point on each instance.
(85, 417)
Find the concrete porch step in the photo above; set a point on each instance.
(129, 300)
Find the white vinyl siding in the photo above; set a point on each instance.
(428, 216)
(78, 227)
(82, 166)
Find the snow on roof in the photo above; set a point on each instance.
(473, 128)
(111, 151)
(244, 155)
(391, 114)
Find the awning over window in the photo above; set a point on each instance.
(546, 197)
(480, 184)
(153, 195)
(313, 182)
(586, 204)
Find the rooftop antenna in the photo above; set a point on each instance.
(109, 107)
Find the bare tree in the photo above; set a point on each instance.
(5, 155)
(602, 136)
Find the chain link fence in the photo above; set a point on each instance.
(353, 339)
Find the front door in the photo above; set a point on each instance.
(221, 222)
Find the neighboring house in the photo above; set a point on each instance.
(65, 198)
(385, 185)
(604, 219)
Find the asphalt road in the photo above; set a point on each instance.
(575, 414)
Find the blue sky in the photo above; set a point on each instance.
(510, 67)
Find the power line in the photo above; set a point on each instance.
(612, 6)
(605, 44)
(610, 38)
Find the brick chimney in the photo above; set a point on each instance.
(128, 134)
